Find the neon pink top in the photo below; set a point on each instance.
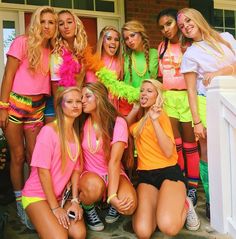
(47, 155)
(96, 162)
(25, 81)
(169, 67)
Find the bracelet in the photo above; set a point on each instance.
(197, 123)
(75, 200)
(54, 209)
(110, 197)
(4, 105)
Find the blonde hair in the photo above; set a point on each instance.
(209, 35)
(137, 27)
(80, 41)
(159, 103)
(60, 119)
(103, 32)
(35, 39)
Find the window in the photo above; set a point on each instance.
(224, 20)
(92, 5)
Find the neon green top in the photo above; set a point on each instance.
(139, 69)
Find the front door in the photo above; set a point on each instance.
(9, 28)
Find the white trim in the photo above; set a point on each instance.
(225, 4)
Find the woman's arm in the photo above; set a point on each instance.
(190, 79)
(164, 140)
(7, 82)
(131, 117)
(46, 181)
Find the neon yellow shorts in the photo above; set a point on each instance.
(26, 201)
(176, 105)
(202, 109)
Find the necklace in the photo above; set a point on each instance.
(91, 149)
(177, 64)
(68, 148)
(208, 51)
(139, 73)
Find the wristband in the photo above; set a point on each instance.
(4, 105)
(54, 209)
(75, 200)
(110, 197)
(197, 123)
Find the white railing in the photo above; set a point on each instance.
(221, 136)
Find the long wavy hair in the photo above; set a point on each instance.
(159, 103)
(35, 39)
(60, 119)
(80, 41)
(107, 115)
(138, 27)
(209, 35)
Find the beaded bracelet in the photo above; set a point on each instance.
(197, 123)
(110, 197)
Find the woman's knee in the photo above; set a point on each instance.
(142, 230)
(169, 226)
(78, 233)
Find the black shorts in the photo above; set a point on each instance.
(156, 177)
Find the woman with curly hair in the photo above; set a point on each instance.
(109, 52)
(66, 65)
(24, 86)
(140, 61)
(104, 143)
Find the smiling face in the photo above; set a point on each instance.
(148, 95)
(111, 42)
(88, 101)
(133, 40)
(189, 28)
(67, 25)
(71, 104)
(48, 25)
(168, 27)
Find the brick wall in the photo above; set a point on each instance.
(146, 11)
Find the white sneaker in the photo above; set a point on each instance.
(192, 221)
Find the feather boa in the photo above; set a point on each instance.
(68, 70)
(108, 77)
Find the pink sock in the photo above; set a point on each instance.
(179, 148)
(192, 161)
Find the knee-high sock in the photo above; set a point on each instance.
(192, 163)
(204, 177)
(179, 148)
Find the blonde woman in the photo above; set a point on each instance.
(140, 61)
(211, 54)
(57, 160)
(66, 65)
(109, 51)
(24, 86)
(161, 190)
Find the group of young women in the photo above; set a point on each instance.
(85, 148)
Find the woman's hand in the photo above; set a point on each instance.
(154, 112)
(207, 77)
(3, 118)
(77, 210)
(199, 131)
(122, 205)
(62, 217)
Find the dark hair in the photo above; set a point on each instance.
(171, 12)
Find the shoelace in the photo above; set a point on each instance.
(191, 193)
(112, 212)
(93, 216)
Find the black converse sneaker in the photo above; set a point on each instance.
(93, 221)
(112, 215)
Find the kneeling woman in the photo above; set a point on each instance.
(161, 187)
(56, 161)
(104, 139)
